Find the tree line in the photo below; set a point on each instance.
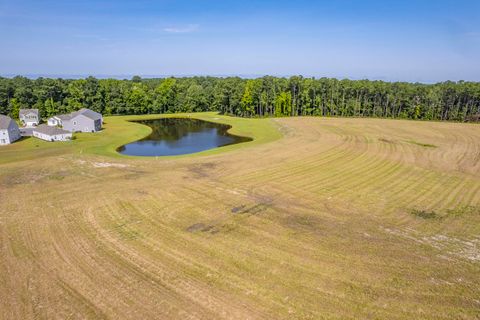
(261, 97)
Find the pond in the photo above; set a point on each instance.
(176, 136)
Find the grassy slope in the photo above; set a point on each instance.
(325, 222)
(119, 131)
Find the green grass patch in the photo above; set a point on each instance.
(120, 130)
(449, 213)
(421, 144)
(463, 211)
(423, 214)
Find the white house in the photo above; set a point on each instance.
(29, 117)
(9, 131)
(50, 133)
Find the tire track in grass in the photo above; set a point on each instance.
(283, 169)
(392, 172)
(249, 255)
(181, 286)
(454, 198)
(474, 198)
(352, 169)
(359, 164)
(142, 210)
(157, 279)
(350, 180)
(81, 263)
(406, 190)
(88, 271)
(135, 259)
(342, 159)
(305, 161)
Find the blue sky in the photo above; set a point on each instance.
(407, 40)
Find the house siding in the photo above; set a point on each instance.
(9, 135)
(4, 137)
(82, 123)
(30, 119)
(56, 137)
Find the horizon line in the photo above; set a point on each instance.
(129, 76)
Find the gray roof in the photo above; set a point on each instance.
(5, 121)
(87, 113)
(84, 111)
(64, 116)
(27, 111)
(49, 130)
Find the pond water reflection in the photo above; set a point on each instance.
(176, 136)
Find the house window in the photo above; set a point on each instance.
(74, 123)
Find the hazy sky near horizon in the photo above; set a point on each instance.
(407, 40)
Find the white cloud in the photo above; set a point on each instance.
(185, 29)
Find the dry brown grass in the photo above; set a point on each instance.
(316, 225)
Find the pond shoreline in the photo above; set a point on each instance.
(175, 136)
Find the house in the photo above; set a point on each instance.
(29, 117)
(51, 133)
(83, 120)
(9, 131)
(58, 120)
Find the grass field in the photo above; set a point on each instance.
(317, 218)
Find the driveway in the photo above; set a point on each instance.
(26, 132)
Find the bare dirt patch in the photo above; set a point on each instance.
(252, 210)
(202, 170)
(108, 165)
(201, 227)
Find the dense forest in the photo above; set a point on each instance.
(267, 96)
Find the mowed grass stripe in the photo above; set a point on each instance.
(315, 225)
(160, 275)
